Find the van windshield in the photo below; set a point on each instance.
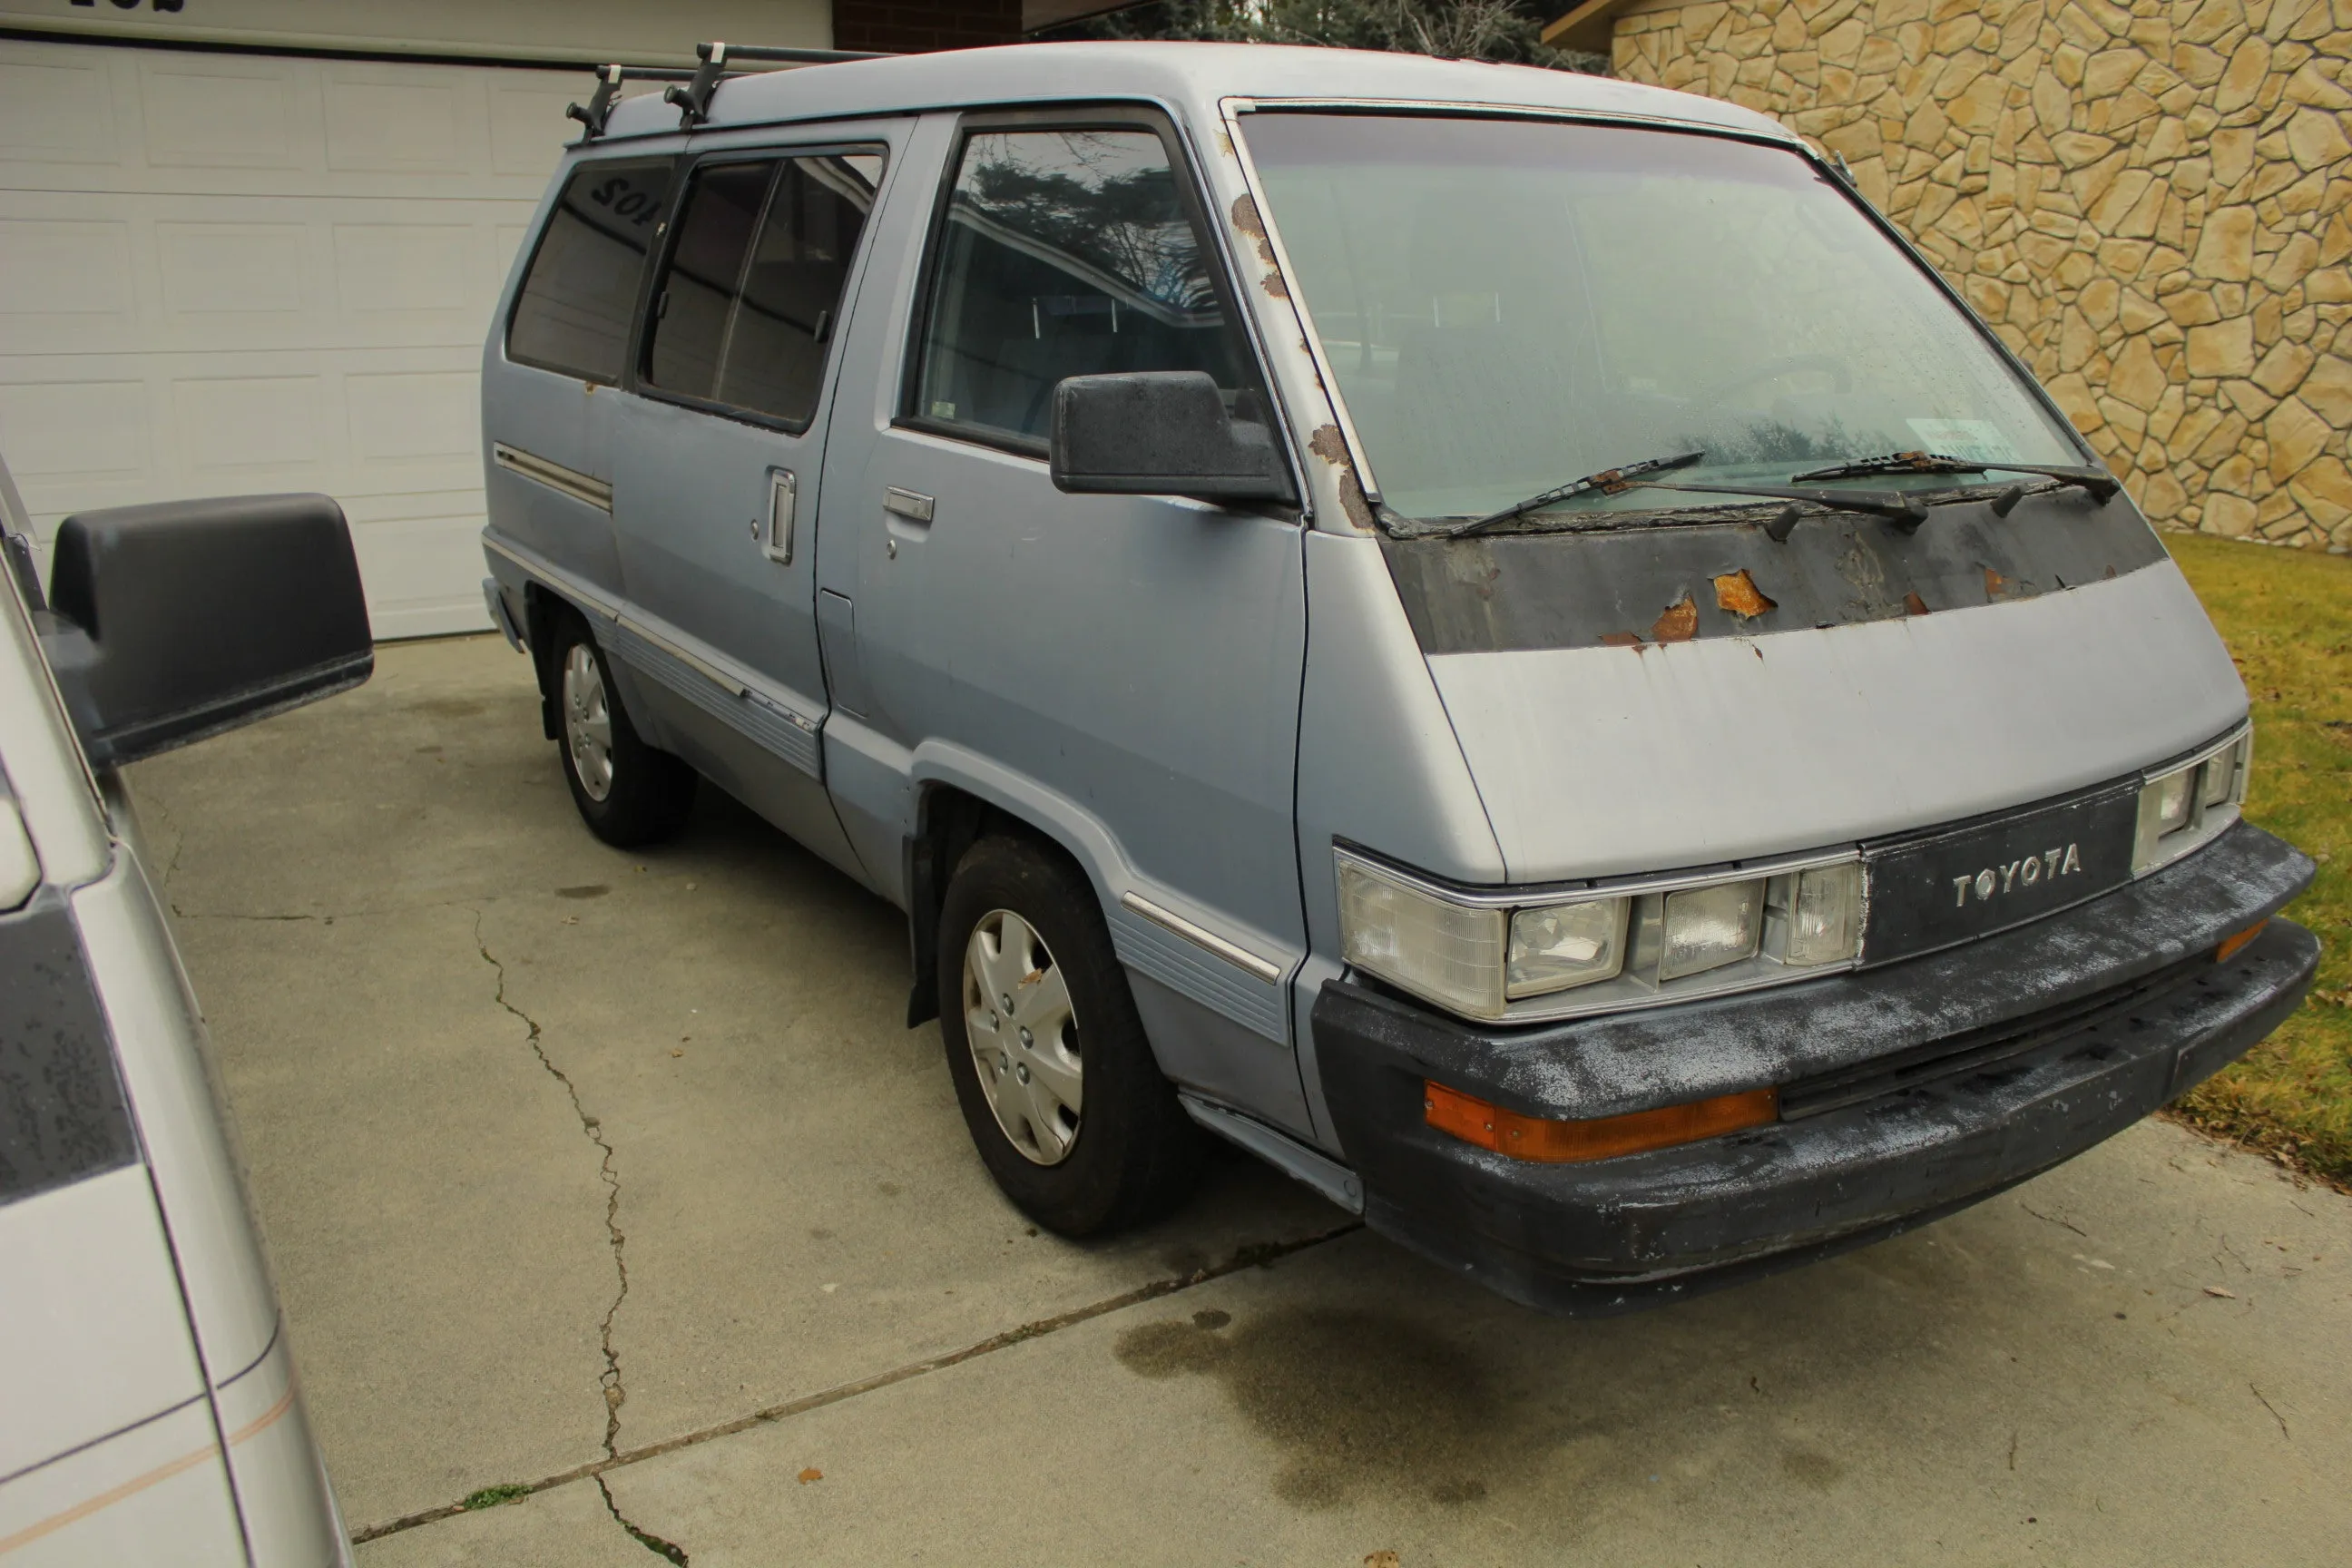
(1511, 304)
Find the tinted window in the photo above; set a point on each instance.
(1066, 253)
(754, 282)
(572, 314)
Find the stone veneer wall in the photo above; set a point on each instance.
(2148, 200)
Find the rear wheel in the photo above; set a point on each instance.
(627, 792)
(1058, 1082)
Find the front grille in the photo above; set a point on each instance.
(1985, 1046)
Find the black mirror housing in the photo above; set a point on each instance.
(170, 623)
(1161, 433)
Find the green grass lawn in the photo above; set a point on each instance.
(2288, 618)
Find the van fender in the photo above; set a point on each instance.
(1235, 970)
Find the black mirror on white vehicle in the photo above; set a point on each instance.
(1161, 433)
(172, 622)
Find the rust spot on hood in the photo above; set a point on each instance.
(1738, 593)
(1624, 639)
(1679, 622)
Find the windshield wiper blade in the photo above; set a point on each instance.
(2101, 484)
(1905, 509)
(1609, 481)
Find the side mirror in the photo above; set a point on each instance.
(170, 623)
(1161, 433)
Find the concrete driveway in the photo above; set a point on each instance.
(616, 1177)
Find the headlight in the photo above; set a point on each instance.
(2188, 806)
(1707, 928)
(1556, 946)
(1500, 956)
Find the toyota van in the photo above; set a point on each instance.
(1493, 636)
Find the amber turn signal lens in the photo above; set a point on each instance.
(1559, 1142)
(2231, 944)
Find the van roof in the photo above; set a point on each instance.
(1197, 75)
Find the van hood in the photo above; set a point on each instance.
(1653, 755)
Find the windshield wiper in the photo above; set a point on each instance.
(1609, 481)
(2101, 484)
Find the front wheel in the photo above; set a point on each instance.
(1058, 1082)
(627, 792)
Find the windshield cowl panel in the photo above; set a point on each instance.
(1505, 304)
(1690, 576)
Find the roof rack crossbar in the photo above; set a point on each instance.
(693, 100)
(599, 108)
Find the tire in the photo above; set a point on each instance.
(628, 793)
(1019, 916)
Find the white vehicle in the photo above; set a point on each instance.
(151, 1412)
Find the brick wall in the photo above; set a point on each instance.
(912, 26)
(2148, 200)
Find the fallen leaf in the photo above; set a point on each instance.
(1678, 623)
(1382, 1559)
(2218, 1290)
(811, 1474)
(676, 1052)
(1738, 593)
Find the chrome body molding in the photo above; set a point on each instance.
(1265, 969)
(737, 697)
(1200, 965)
(580, 487)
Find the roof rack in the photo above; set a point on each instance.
(696, 88)
(693, 100)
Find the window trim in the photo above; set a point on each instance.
(636, 299)
(636, 375)
(1071, 116)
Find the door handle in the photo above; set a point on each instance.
(907, 504)
(784, 500)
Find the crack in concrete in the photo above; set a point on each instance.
(616, 1393)
(1259, 1255)
(651, 1542)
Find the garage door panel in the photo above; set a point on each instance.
(64, 437)
(223, 274)
(210, 270)
(379, 122)
(408, 564)
(412, 266)
(56, 111)
(256, 430)
(51, 267)
(202, 111)
(401, 420)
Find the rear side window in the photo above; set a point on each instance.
(752, 290)
(1066, 253)
(572, 314)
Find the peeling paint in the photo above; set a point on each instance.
(1623, 639)
(1329, 445)
(1678, 623)
(1738, 593)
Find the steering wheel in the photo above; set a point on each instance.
(1842, 376)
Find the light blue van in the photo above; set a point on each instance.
(1491, 635)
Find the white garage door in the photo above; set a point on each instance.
(225, 273)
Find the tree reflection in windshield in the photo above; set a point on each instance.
(1066, 253)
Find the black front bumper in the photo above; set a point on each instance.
(1909, 1091)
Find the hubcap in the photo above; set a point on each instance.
(1023, 1037)
(587, 722)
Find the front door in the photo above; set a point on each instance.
(1135, 658)
(717, 442)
